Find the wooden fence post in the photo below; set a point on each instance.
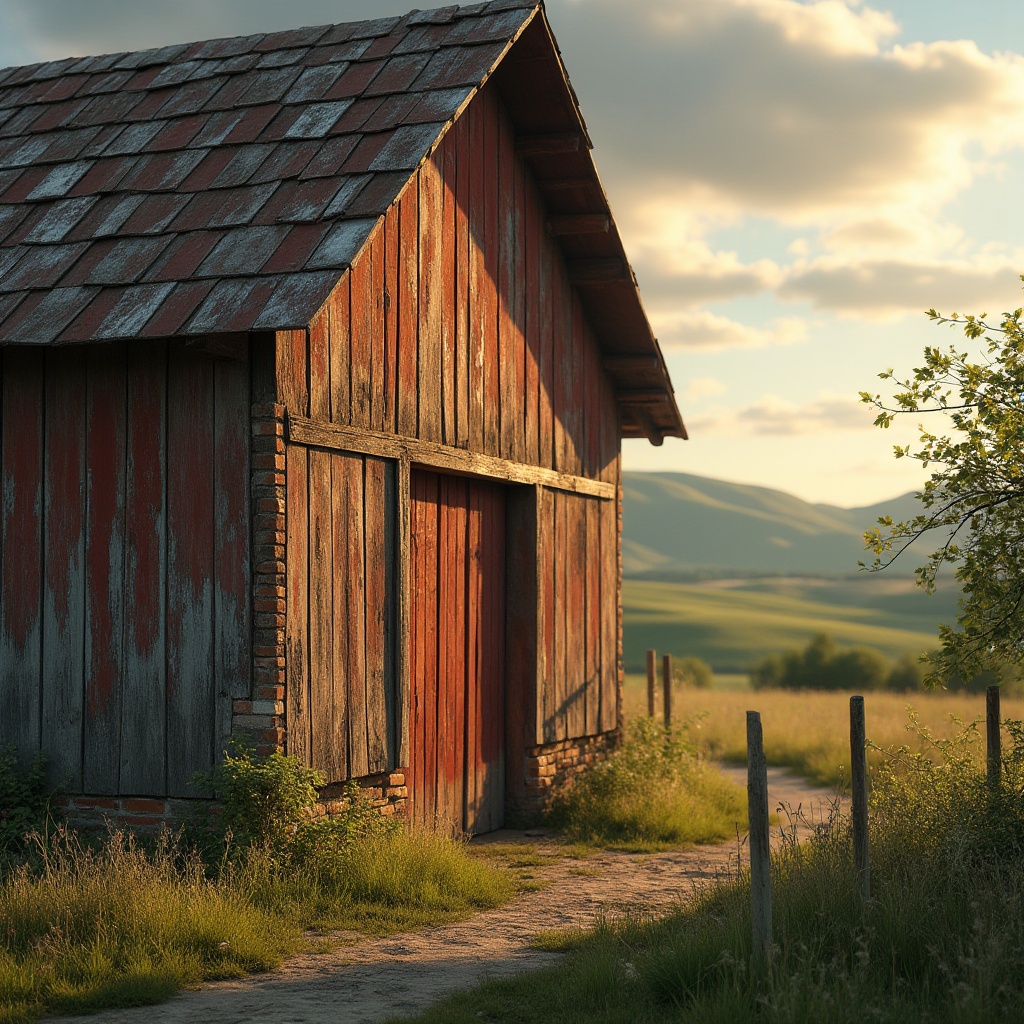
(760, 852)
(859, 773)
(666, 685)
(993, 739)
(652, 658)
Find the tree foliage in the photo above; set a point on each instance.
(973, 501)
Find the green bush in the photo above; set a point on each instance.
(692, 672)
(24, 799)
(655, 790)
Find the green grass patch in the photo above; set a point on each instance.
(656, 791)
(731, 624)
(941, 941)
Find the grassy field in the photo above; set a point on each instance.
(809, 731)
(733, 623)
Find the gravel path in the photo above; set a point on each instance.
(403, 974)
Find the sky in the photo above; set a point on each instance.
(795, 182)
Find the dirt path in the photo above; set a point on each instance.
(404, 974)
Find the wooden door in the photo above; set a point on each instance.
(457, 657)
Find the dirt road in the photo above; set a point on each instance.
(403, 974)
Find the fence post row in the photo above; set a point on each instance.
(666, 685)
(859, 778)
(651, 662)
(760, 854)
(994, 750)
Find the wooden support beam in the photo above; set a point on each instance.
(550, 143)
(630, 363)
(221, 346)
(597, 271)
(565, 184)
(641, 396)
(560, 224)
(643, 420)
(335, 437)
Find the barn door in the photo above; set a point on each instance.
(457, 637)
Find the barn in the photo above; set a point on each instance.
(317, 351)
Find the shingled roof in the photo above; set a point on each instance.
(226, 186)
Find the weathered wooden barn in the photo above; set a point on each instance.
(317, 352)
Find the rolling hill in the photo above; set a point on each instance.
(678, 524)
(730, 573)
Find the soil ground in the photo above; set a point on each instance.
(372, 980)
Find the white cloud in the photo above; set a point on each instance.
(779, 417)
(705, 330)
(884, 289)
(703, 387)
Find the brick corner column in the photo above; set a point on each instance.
(262, 717)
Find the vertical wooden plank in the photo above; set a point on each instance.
(532, 276)
(449, 312)
(520, 286)
(521, 635)
(510, 399)
(546, 346)
(416, 640)
(574, 363)
(610, 432)
(190, 570)
(375, 515)
(104, 559)
(562, 330)
(333, 719)
(292, 371)
(562, 605)
(358, 750)
(428, 595)
(323, 751)
(592, 614)
(474, 661)
(478, 325)
(232, 607)
(338, 329)
(447, 631)
(547, 709)
(63, 669)
(297, 707)
(457, 654)
(405, 639)
(463, 246)
(430, 313)
(394, 651)
(22, 495)
(392, 272)
(493, 693)
(375, 304)
(490, 298)
(320, 391)
(591, 404)
(608, 598)
(361, 317)
(143, 769)
(576, 564)
(408, 312)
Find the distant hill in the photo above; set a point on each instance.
(678, 524)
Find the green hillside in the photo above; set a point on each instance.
(731, 573)
(677, 523)
(733, 623)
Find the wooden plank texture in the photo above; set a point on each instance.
(106, 433)
(430, 309)
(297, 710)
(375, 540)
(320, 644)
(143, 685)
(190, 571)
(332, 719)
(358, 749)
(63, 669)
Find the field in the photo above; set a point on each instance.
(732, 623)
(810, 731)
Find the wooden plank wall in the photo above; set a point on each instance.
(124, 607)
(458, 323)
(577, 581)
(342, 642)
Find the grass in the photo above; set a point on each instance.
(733, 623)
(941, 941)
(86, 928)
(656, 791)
(809, 731)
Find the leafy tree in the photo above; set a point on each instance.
(973, 501)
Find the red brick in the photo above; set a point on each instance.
(268, 462)
(270, 693)
(143, 805)
(105, 803)
(270, 605)
(266, 620)
(270, 505)
(268, 677)
(242, 707)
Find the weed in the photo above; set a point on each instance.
(24, 798)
